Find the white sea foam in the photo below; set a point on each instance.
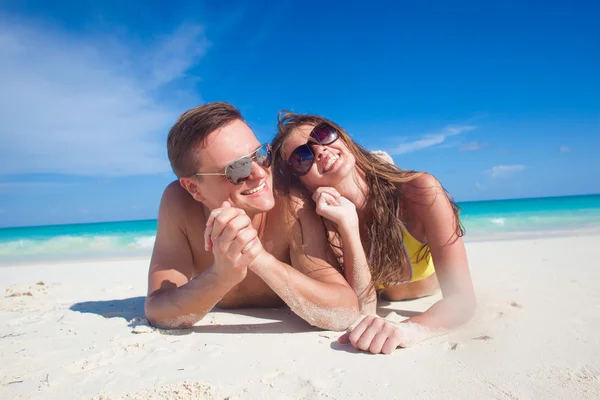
(498, 221)
(75, 246)
(145, 242)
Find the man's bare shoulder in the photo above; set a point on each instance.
(179, 204)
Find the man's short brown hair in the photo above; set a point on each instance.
(193, 126)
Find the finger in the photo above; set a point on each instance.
(209, 228)
(215, 212)
(344, 339)
(390, 345)
(252, 250)
(325, 189)
(325, 201)
(322, 206)
(209, 225)
(378, 342)
(322, 202)
(243, 239)
(331, 200)
(249, 245)
(331, 191)
(392, 342)
(359, 330)
(232, 230)
(221, 221)
(364, 343)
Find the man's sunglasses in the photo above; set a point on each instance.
(240, 169)
(302, 158)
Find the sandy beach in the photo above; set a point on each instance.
(77, 331)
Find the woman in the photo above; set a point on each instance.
(397, 233)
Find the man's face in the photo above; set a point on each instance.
(223, 146)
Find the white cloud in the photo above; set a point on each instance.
(503, 171)
(564, 149)
(473, 146)
(430, 139)
(90, 105)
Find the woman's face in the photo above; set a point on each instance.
(332, 162)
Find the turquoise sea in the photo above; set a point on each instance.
(481, 219)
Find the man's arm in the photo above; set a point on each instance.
(175, 300)
(312, 288)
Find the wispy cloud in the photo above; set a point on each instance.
(503, 171)
(564, 149)
(429, 140)
(74, 104)
(474, 146)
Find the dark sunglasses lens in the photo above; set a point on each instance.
(264, 157)
(239, 170)
(324, 134)
(302, 159)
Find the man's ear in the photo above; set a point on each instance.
(192, 187)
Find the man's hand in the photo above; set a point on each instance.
(233, 240)
(336, 208)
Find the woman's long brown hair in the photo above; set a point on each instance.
(389, 262)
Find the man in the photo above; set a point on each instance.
(221, 239)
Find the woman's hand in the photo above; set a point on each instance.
(377, 335)
(373, 334)
(336, 208)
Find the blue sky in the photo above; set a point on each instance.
(497, 100)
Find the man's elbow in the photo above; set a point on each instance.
(153, 313)
(158, 318)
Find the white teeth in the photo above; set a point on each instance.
(330, 162)
(256, 189)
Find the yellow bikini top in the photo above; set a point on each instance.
(420, 269)
(424, 267)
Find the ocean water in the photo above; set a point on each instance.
(482, 220)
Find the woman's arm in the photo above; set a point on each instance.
(429, 204)
(341, 211)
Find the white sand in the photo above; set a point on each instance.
(78, 336)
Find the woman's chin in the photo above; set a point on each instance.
(339, 174)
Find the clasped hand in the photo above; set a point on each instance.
(233, 241)
(335, 207)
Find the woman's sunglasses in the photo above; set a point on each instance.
(240, 169)
(302, 158)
